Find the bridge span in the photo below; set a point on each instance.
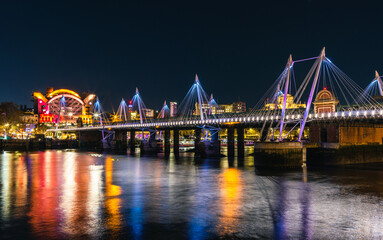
(326, 110)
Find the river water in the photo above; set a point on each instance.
(79, 195)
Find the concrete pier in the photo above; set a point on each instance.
(278, 154)
(151, 145)
(212, 147)
(90, 140)
(230, 142)
(121, 140)
(197, 142)
(167, 142)
(132, 142)
(176, 142)
(241, 142)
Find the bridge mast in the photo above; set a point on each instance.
(139, 105)
(320, 59)
(62, 104)
(287, 83)
(380, 83)
(199, 97)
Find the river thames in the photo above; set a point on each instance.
(77, 195)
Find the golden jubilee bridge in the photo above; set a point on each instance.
(325, 111)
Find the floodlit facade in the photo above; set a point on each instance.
(173, 109)
(290, 104)
(325, 102)
(63, 106)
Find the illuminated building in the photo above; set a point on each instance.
(289, 103)
(325, 102)
(173, 109)
(30, 118)
(239, 107)
(236, 107)
(63, 105)
(148, 113)
(205, 109)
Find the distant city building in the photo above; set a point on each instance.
(63, 105)
(148, 113)
(236, 107)
(290, 104)
(30, 118)
(173, 109)
(239, 107)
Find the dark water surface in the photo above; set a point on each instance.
(74, 195)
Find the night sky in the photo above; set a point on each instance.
(238, 48)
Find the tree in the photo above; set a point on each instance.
(10, 113)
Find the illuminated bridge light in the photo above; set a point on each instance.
(261, 118)
(365, 113)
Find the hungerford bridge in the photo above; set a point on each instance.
(335, 112)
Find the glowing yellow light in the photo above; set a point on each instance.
(231, 193)
(40, 96)
(113, 202)
(61, 91)
(231, 123)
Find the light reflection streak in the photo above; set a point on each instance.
(200, 211)
(43, 210)
(230, 185)
(136, 214)
(69, 189)
(112, 201)
(6, 182)
(21, 185)
(95, 198)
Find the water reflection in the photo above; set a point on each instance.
(230, 185)
(112, 201)
(61, 195)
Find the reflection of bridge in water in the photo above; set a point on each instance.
(335, 113)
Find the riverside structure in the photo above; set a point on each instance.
(337, 119)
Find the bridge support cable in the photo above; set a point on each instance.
(196, 104)
(122, 112)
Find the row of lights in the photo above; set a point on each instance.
(364, 113)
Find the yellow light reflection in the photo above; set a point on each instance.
(231, 186)
(112, 202)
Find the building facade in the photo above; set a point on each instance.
(63, 106)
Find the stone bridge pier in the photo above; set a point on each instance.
(150, 146)
(121, 140)
(90, 140)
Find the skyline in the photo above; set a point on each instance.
(237, 51)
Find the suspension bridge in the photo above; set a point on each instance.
(326, 109)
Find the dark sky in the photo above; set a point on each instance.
(238, 48)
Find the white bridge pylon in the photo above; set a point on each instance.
(379, 81)
(313, 87)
